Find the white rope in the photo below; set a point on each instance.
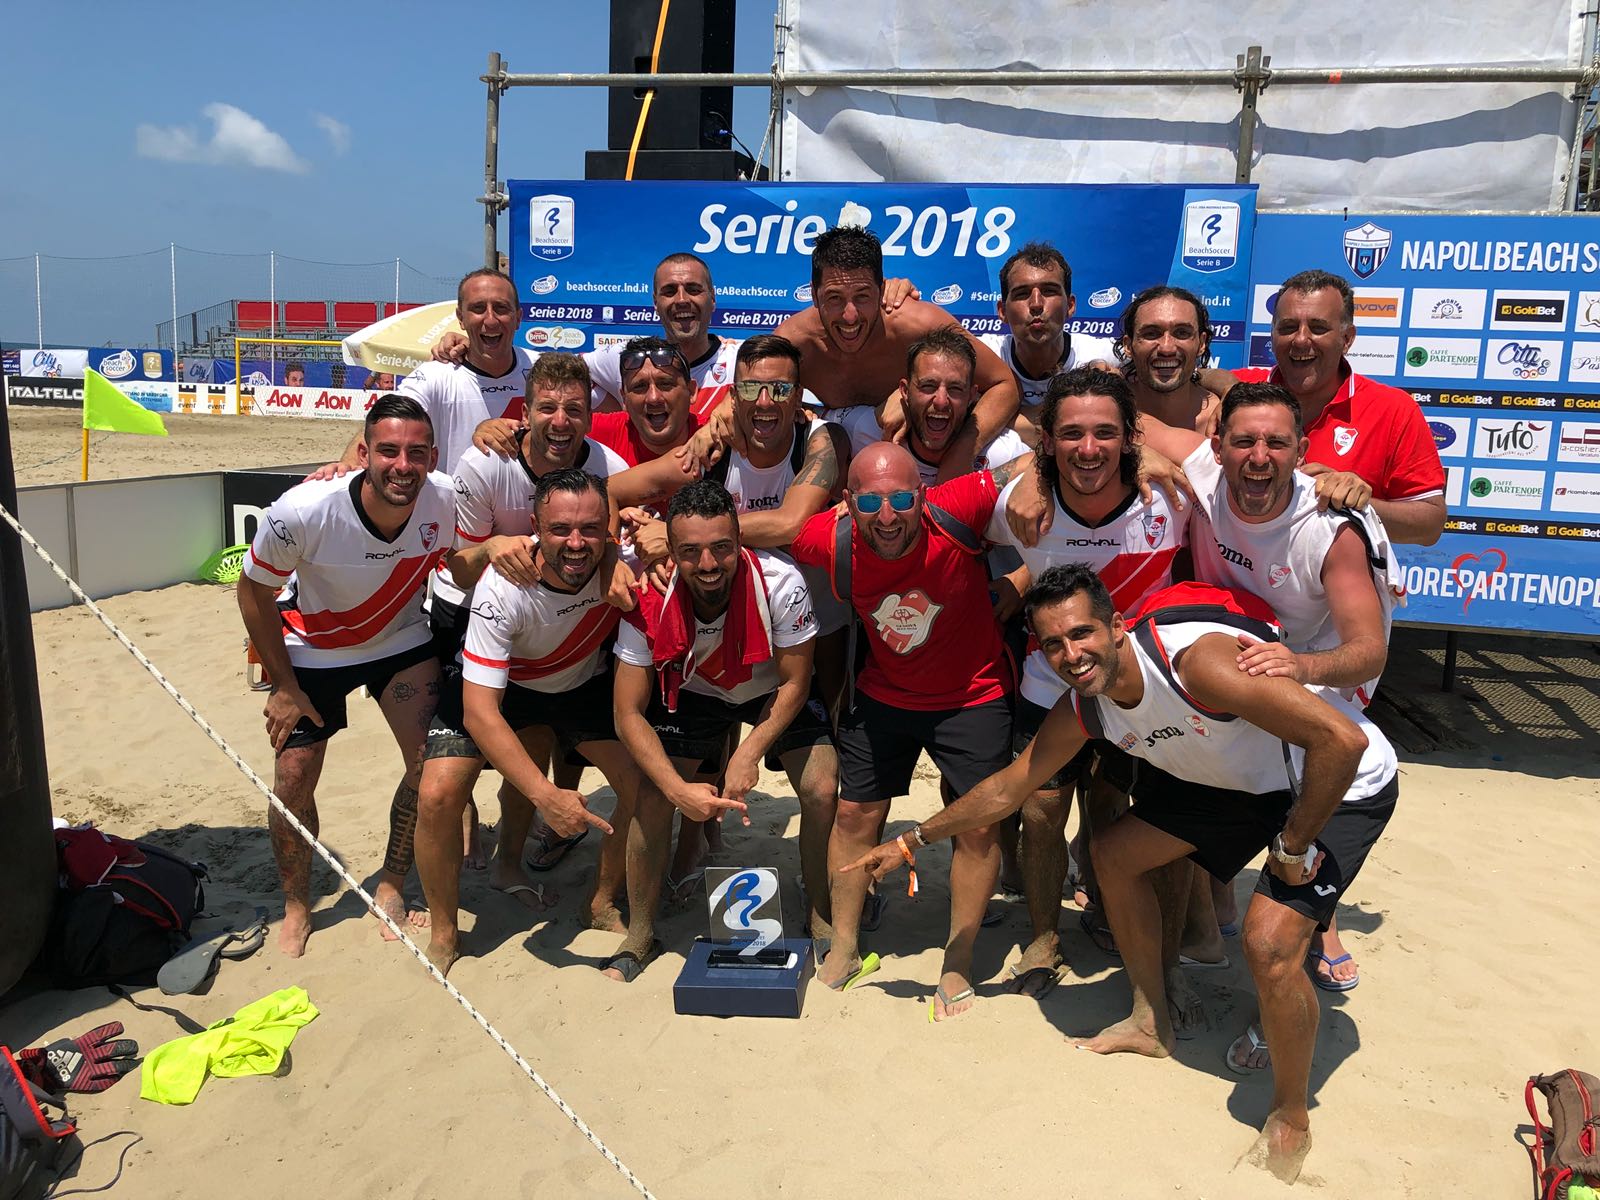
(323, 853)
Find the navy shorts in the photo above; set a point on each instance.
(1345, 841)
(582, 714)
(700, 728)
(327, 688)
(879, 745)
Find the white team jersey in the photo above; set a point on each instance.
(349, 595)
(793, 624)
(1278, 560)
(1131, 550)
(712, 374)
(494, 495)
(861, 423)
(1191, 742)
(458, 399)
(537, 637)
(1081, 350)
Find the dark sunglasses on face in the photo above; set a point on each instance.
(871, 502)
(666, 357)
(749, 390)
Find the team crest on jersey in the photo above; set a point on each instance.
(489, 611)
(904, 622)
(280, 530)
(719, 373)
(1343, 438)
(1128, 741)
(1155, 528)
(430, 534)
(1199, 726)
(1277, 574)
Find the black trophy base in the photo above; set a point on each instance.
(711, 986)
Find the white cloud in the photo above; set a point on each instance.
(237, 139)
(338, 132)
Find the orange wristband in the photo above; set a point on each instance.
(911, 864)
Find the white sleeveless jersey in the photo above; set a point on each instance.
(1281, 560)
(458, 399)
(349, 596)
(494, 495)
(861, 423)
(712, 375)
(1081, 349)
(1131, 550)
(1171, 731)
(536, 637)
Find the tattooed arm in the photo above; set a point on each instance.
(817, 485)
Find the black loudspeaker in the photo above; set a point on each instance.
(27, 849)
(698, 38)
(725, 166)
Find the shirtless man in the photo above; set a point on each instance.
(352, 558)
(854, 353)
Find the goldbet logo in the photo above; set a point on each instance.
(1529, 309)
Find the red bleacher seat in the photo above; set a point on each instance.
(349, 315)
(305, 316)
(253, 315)
(390, 307)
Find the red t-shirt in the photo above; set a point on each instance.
(931, 635)
(1372, 430)
(615, 431)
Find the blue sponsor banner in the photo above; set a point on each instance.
(132, 364)
(582, 251)
(1493, 324)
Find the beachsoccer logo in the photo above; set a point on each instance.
(1210, 235)
(745, 904)
(1366, 247)
(552, 227)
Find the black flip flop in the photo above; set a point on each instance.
(632, 965)
(560, 847)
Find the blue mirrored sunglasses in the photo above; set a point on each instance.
(871, 502)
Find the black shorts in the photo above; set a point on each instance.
(1345, 840)
(700, 728)
(448, 623)
(879, 745)
(327, 687)
(580, 715)
(1226, 828)
(1113, 766)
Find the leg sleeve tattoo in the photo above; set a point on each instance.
(402, 830)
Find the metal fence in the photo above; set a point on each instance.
(138, 299)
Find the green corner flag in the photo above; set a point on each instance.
(106, 408)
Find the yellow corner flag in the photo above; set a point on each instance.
(106, 408)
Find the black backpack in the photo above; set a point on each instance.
(123, 925)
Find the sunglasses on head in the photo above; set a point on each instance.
(871, 502)
(749, 390)
(665, 357)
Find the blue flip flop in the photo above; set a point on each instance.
(1331, 984)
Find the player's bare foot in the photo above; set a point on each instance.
(393, 904)
(607, 917)
(1281, 1148)
(1184, 1007)
(295, 930)
(1128, 1037)
(443, 955)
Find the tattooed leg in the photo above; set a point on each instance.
(408, 704)
(294, 781)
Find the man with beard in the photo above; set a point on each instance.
(352, 557)
(1165, 343)
(788, 471)
(1360, 434)
(494, 521)
(729, 644)
(907, 560)
(1036, 302)
(1232, 764)
(657, 390)
(548, 640)
(1325, 573)
(1087, 463)
(852, 352)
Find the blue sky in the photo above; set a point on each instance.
(349, 132)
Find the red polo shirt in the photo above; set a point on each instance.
(1372, 430)
(616, 432)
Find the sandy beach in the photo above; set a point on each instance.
(1468, 922)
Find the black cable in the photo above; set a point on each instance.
(52, 1194)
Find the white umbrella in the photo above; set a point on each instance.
(400, 343)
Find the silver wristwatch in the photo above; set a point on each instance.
(1281, 855)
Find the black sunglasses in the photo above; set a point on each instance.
(665, 357)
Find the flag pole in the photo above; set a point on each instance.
(85, 456)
